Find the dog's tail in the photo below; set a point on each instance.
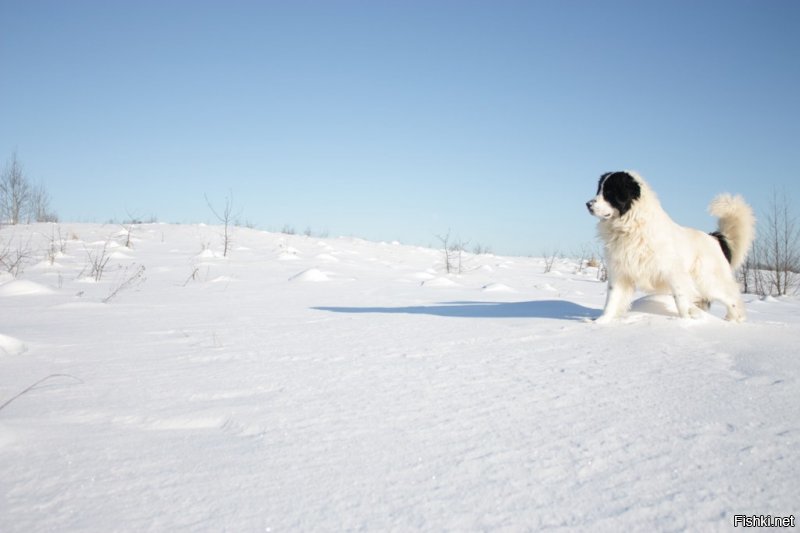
(737, 226)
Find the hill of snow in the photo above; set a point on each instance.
(338, 384)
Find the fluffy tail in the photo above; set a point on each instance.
(737, 225)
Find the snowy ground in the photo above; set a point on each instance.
(336, 384)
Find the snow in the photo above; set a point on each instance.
(440, 281)
(497, 287)
(252, 393)
(312, 274)
(10, 345)
(22, 288)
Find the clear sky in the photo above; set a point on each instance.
(396, 120)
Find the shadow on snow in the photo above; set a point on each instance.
(555, 309)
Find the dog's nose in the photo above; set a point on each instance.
(589, 205)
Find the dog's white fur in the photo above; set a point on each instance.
(646, 250)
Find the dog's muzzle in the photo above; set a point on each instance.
(590, 205)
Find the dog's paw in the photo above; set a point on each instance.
(695, 313)
(604, 319)
(738, 318)
(735, 313)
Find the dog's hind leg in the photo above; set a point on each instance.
(703, 304)
(729, 295)
(684, 298)
(735, 310)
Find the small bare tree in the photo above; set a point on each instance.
(226, 219)
(444, 241)
(454, 259)
(459, 248)
(750, 275)
(779, 247)
(15, 192)
(39, 209)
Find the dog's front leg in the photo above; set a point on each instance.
(618, 299)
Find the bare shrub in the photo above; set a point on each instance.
(56, 245)
(193, 276)
(97, 261)
(129, 280)
(13, 258)
(127, 230)
(550, 257)
(584, 255)
(480, 249)
(226, 218)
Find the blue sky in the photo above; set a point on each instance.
(400, 119)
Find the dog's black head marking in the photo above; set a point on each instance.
(620, 189)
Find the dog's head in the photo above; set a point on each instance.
(616, 194)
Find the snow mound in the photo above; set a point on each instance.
(312, 274)
(222, 279)
(423, 276)
(327, 258)
(80, 305)
(207, 254)
(11, 346)
(656, 304)
(290, 253)
(46, 265)
(119, 255)
(546, 287)
(497, 287)
(440, 282)
(22, 287)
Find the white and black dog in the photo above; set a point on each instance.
(646, 250)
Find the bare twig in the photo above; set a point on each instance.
(30, 388)
(132, 281)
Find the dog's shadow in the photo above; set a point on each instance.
(553, 309)
(655, 304)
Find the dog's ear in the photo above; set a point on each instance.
(601, 180)
(628, 191)
(621, 190)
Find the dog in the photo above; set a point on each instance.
(646, 250)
